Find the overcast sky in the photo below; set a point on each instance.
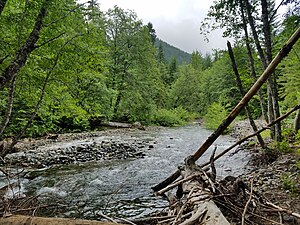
(175, 21)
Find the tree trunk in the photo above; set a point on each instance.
(255, 35)
(226, 122)
(263, 105)
(242, 91)
(24, 220)
(272, 89)
(297, 121)
(23, 53)
(2, 5)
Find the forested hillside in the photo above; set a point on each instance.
(170, 52)
(68, 67)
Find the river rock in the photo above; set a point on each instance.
(105, 150)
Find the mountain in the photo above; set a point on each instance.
(171, 51)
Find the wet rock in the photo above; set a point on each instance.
(105, 150)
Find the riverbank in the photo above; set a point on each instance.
(159, 144)
(55, 149)
(275, 176)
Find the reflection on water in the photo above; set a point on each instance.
(122, 188)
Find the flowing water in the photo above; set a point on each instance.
(122, 188)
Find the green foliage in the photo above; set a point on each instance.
(289, 183)
(165, 117)
(170, 52)
(89, 64)
(177, 116)
(216, 113)
(283, 146)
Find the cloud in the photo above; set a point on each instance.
(176, 22)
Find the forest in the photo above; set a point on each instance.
(71, 67)
(65, 67)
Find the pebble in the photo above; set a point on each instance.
(105, 150)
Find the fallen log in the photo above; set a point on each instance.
(25, 220)
(137, 125)
(197, 199)
(253, 134)
(226, 122)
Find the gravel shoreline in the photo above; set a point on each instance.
(46, 151)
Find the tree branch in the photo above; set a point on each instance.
(275, 11)
(23, 53)
(50, 40)
(29, 122)
(226, 122)
(64, 16)
(254, 134)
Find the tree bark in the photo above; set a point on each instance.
(273, 95)
(255, 35)
(263, 105)
(23, 53)
(210, 140)
(242, 91)
(2, 5)
(200, 198)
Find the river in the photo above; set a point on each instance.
(122, 188)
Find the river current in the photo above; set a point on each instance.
(122, 188)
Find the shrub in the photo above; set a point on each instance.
(289, 183)
(177, 116)
(166, 117)
(216, 113)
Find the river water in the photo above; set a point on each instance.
(122, 188)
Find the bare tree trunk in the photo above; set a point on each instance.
(2, 5)
(255, 35)
(272, 90)
(226, 122)
(242, 91)
(263, 105)
(23, 53)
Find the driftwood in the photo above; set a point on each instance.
(201, 200)
(25, 220)
(226, 122)
(122, 125)
(198, 199)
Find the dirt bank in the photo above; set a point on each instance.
(275, 175)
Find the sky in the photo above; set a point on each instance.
(175, 21)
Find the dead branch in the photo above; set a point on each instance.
(297, 215)
(247, 204)
(171, 186)
(254, 134)
(226, 122)
(212, 164)
(107, 217)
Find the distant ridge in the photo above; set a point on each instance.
(171, 51)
